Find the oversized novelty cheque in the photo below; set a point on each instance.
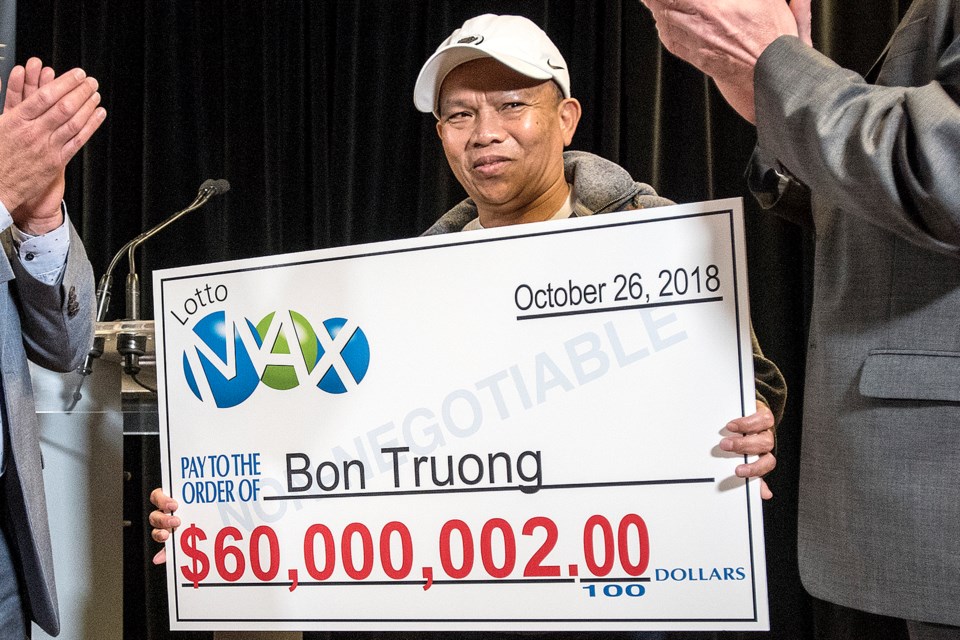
(508, 429)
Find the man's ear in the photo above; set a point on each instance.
(440, 129)
(570, 111)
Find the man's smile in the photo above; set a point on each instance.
(490, 165)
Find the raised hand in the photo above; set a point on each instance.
(45, 121)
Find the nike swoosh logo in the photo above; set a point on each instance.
(553, 66)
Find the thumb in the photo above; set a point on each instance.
(802, 14)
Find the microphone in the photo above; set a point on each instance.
(208, 189)
(132, 346)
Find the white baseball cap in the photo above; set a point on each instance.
(513, 41)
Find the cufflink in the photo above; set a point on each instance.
(73, 307)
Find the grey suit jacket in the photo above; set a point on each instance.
(53, 326)
(879, 525)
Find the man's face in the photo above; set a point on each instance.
(503, 134)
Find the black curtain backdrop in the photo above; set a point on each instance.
(306, 108)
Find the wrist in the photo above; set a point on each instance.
(39, 225)
(9, 199)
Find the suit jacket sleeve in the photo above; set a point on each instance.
(886, 154)
(57, 321)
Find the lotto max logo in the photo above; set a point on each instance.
(231, 358)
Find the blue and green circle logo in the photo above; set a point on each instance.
(282, 351)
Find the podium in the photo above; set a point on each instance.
(99, 438)
(83, 420)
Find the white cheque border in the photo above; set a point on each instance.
(730, 209)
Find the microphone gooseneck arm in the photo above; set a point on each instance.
(208, 189)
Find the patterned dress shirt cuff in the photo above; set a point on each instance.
(44, 257)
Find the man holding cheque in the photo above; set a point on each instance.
(500, 91)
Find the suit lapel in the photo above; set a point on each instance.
(908, 19)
